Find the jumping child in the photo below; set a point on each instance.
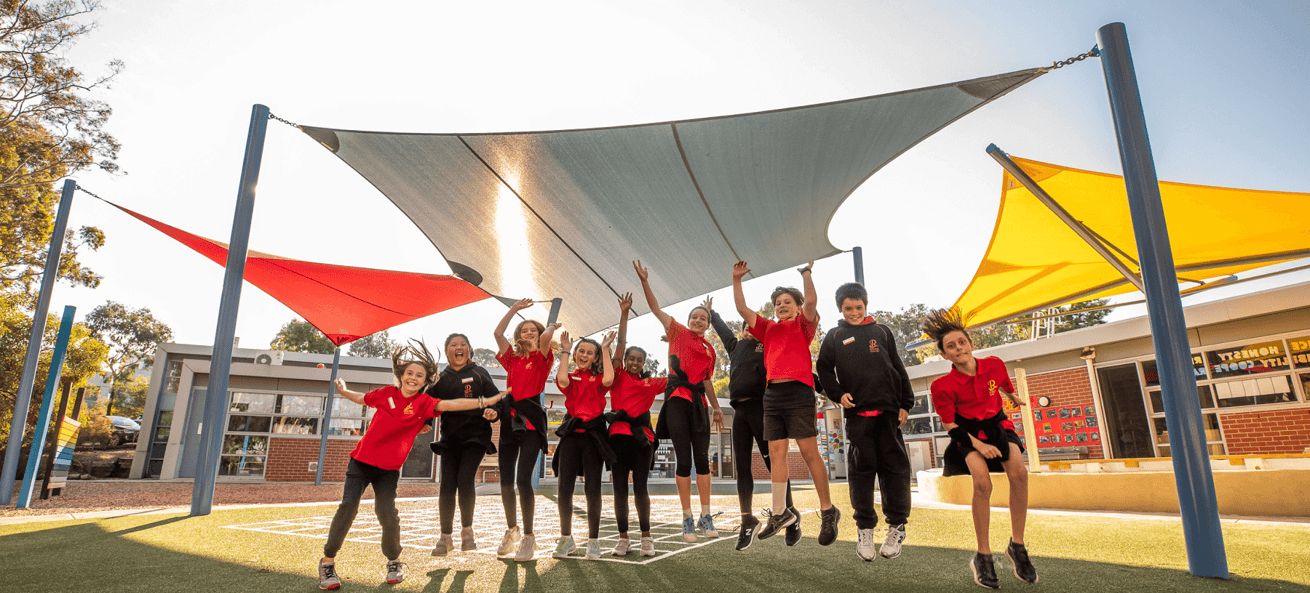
(789, 403)
(860, 369)
(583, 447)
(983, 440)
(378, 456)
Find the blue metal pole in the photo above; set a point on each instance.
(202, 491)
(23, 399)
(47, 403)
(327, 417)
(857, 254)
(1196, 495)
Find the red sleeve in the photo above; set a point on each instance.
(429, 409)
(549, 357)
(676, 330)
(659, 384)
(377, 397)
(808, 328)
(761, 327)
(601, 388)
(504, 359)
(943, 403)
(1003, 376)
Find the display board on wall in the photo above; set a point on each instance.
(1059, 426)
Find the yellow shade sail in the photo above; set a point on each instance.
(1035, 261)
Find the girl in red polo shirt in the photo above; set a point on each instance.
(377, 458)
(631, 436)
(968, 399)
(527, 363)
(687, 396)
(789, 405)
(583, 448)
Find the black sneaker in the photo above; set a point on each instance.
(828, 527)
(775, 522)
(794, 531)
(1023, 567)
(746, 534)
(984, 571)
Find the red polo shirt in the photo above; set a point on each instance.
(695, 356)
(390, 435)
(584, 398)
(635, 396)
(787, 347)
(977, 397)
(526, 375)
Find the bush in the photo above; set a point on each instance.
(96, 429)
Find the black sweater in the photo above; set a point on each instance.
(862, 360)
(464, 426)
(746, 379)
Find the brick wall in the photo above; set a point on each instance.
(796, 465)
(288, 459)
(1067, 388)
(1267, 431)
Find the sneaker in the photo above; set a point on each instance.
(891, 547)
(593, 549)
(828, 527)
(772, 522)
(1023, 567)
(688, 529)
(444, 544)
(507, 543)
(793, 536)
(864, 548)
(706, 525)
(984, 571)
(327, 576)
(746, 534)
(647, 546)
(527, 549)
(564, 545)
(467, 541)
(395, 572)
(623, 547)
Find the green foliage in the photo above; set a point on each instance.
(300, 336)
(96, 428)
(378, 345)
(907, 325)
(84, 358)
(485, 358)
(130, 397)
(132, 336)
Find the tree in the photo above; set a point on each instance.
(907, 325)
(131, 397)
(300, 336)
(131, 335)
(378, 345)
(653, 367)
(83, 359)
(485, 357)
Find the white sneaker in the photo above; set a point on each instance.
(527, 549)
(564, 545)
(891, 548)
(864, 549)
(593, 549)
(509, 542)
(647, 546)
(623, 547)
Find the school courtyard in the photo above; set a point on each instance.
(275, 547)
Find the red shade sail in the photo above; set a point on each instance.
(343, 302)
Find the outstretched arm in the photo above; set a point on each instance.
(608, 361)
(543, 342)
(503, 344)
(651, 302)
(621, 343)
(468, 403)
(739, 297)
(726, 336)
(811, 308)
(566, 345)
(353, 396)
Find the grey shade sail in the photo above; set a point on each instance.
(563, 213)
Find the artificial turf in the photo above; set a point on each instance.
(160, 553)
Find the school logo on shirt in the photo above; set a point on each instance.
(529, 365)
(873, 346)
(409, 410)
(991, 387)
(759, 347)
(468, 390)
(591, 378)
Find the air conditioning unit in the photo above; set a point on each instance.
(269, 357)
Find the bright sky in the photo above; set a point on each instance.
(1224, 86)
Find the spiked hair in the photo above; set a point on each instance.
(940, 322)
(415, 353)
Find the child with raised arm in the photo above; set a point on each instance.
(631, 436)
(746, 389)
(968, 399)
(378, 456)
(789, 402)
(860, 369)
(583, 447)
(687, 396)
(527, 363)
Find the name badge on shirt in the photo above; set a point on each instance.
(847, 341)
(575, 377)
(392, 401)
(467, 380)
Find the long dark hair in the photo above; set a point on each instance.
(644, 374)
(597, 366)
(940, 322)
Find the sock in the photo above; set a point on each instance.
(779, 497)
(686, 513)
(704, 510)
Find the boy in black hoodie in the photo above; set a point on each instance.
(859, 368)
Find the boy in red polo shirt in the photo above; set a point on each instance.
(377, 458)
(789, 405)
(968, 399)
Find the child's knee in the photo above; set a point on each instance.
(983, 486)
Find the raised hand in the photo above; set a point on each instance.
(609, 339)
(521, 305)
(808, 267)
(625, 303)
(642, 272)
(708, 304)
(739, 270)
(565, 343)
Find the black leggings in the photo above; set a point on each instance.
(578, 456)
(748, 428)
(687, 444)
(516, 469)
(459, 468)
(360, 475)
(635, 459)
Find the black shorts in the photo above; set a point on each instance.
(789, 411)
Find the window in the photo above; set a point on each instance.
(922, 419)
(1247, 360)
(1214, 438)
(253, 417)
